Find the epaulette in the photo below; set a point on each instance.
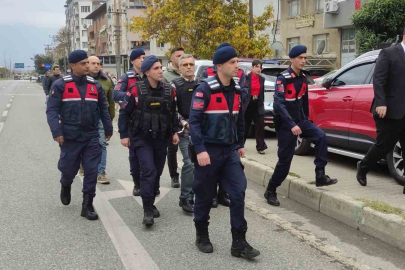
(212, 83)
(286, 74)
(90, 79)
(68, 78)
(130, 74)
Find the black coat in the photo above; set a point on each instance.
(248, 84)
(51, 80)
(389, 82)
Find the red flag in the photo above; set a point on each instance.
(357, 4)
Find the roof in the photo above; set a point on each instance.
(97, 12)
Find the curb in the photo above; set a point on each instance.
(388, 228)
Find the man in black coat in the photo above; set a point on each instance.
(388, 107)
(56, 75)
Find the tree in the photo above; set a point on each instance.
(378, 21)
(199, 26)
(40, 59)
(61, 39)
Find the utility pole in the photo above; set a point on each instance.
(117, 34)
(5, 64)
(251, 19)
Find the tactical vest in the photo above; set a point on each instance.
(184, 94)
(294, 97)
(211, 73)
(219, 125)
(152, 115)
(133, 78)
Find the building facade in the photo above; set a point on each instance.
(303, 23)
(76, 12)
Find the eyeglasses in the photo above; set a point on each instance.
(188, 64)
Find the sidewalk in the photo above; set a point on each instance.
(342, 201)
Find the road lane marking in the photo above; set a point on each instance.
(1, 126)
(5, 113)
(11, 100)
(8, 105)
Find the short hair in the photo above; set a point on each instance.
(55, 67)
(177, 49)
(257, 62)
(184, 56)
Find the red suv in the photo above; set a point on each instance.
(341, 108)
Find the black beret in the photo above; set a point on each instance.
(136, 53)
(224, 54)
(297, 51)
(77, 56)
(148, 63)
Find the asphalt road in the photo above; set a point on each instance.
(38, 232)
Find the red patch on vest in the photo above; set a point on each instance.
(198, 105)
(199, 94)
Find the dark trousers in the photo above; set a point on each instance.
(72, 154)
(287, 142)
(172, 159)
(389, 132)
(152, 158)
(227, 169)
(252, 113)
(134, 162)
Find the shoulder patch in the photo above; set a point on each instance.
(199, 94)
(198, 105)
(280, 87)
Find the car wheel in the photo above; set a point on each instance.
(303, 146)
(396, 164)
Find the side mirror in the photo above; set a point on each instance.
(327, 83)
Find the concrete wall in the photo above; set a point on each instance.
(342, 18)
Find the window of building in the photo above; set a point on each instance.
(112, 60)
(136, 4)
(292, 42)
(84, 33)
(293, 8)
(87, 21)
(354, 76)
(85, 9)
(162, 45)
(348, 40)
(84, 45)
(106, 60)
(319, 5)
(318, 39)
(143, 44)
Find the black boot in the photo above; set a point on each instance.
(65, 196)
(137, 186)
(240, 247)
(87, 208)
(322, 179)
(186, 206)
(203, 240)
(175, 181)
(155, 211)
(271, 195)
(361, 174)
(214, 202)
(223, 198)
(147, 213)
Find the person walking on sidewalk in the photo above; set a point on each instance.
(388, 107)
(150, 118)
(184, 87)
(217, 128)
(255, 109)
(127, 80)
(292, 108)
(105, 82)
(56, 76)
(75, 105)
(169, 75)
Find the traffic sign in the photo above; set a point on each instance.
(19, 65)
(42, 65)
(48, 66)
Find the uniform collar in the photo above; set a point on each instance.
(187, 80)
(293, 74)
(79, 80)
(231, 85)
(146, 81)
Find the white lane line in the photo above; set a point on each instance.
(1, 126)
(8, 105)
(11, 100)
(5, 113)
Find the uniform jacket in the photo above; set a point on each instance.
(77, 118)
(108, 87)
(170, 74)
(389, 82)
(122, 87)
(248, 84)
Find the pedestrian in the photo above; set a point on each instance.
(169, 75)
(127, 80)
(75, 105)
(56, 76)
(292, 108)
(255, 109)
(387, 109)
(45, 85)
(184, 87)
(105, 82)
(217, 128)
(150, 120)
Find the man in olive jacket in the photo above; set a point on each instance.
(108, 87)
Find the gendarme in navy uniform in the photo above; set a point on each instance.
(217, 128)
(127, 80)
(292, 108)
(75, 106)
(148, 121)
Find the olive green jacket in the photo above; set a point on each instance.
(108, 87)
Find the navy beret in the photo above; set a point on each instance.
(136, 53)
(297, 51)
(224, 54)
(225, 44)
(148, 63)
(77, 56)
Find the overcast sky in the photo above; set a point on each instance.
(25, 26)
